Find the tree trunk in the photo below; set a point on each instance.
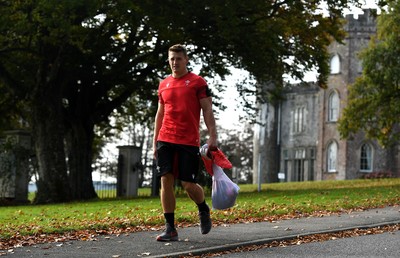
(48, 129)
(79, 144)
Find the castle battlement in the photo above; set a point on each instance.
(365, 22)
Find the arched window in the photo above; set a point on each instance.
(335, 64)
(366, 158)
(332, 157)
(333, 108)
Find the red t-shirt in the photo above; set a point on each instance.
(181, 100)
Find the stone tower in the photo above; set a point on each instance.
(346, 158)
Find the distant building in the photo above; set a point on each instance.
(309, 143)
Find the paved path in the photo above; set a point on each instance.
(143, 244)
(385, 245)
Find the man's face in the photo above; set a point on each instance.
(178, 62)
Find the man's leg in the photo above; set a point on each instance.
(168, 203)
(167, 193)
(196, 193)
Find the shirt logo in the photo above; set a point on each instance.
(187, 82)
(167, 85)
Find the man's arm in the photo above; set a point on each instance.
(157, 126)
(208, 114)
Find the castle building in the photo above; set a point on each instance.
(309, 144)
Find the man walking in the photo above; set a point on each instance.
(182, 97)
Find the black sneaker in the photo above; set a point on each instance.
(205, 222)
(168, 235)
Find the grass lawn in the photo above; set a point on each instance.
(274, 201)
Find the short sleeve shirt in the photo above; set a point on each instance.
(181, 100)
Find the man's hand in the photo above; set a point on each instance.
(212, 143)
(155, 151)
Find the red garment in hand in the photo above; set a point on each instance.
(217, 157)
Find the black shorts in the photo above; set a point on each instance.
(181, 160)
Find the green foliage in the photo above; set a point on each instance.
(112, 51)
(373, 102)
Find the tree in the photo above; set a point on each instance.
(33, 41)
(77, 68)
(373, 101)
(75, 62)
(237, 144)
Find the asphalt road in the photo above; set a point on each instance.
(379, 245)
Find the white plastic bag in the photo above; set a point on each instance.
(224, 191)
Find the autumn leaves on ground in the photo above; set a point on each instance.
(26, 225)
